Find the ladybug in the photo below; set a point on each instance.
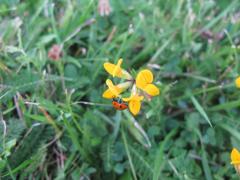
(119, 104)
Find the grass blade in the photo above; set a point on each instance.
(225, 106)
(206, 168)
(200, 110)
(129, 156)
(231, 130)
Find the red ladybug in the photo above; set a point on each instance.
(119, 104)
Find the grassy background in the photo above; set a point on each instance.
(46, 130)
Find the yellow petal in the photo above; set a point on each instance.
(128, 99)
(237, 82)
(118, 71)
(134, 103)
(235, 156)
(139, 98)
(108, 94)
(135, 107)
(114, 89)
(143, 78)
(152, 90)
(112, 69)
(133, 97)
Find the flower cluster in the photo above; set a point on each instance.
(141, 86)
(235, 159)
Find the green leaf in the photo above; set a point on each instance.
(119, 168)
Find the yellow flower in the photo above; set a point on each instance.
(144, 82)
(114, 90)
(237, 82)
(134, 103)
(235, 156)
(116, 70)
(235, 159)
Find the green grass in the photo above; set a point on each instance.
(54, 123)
